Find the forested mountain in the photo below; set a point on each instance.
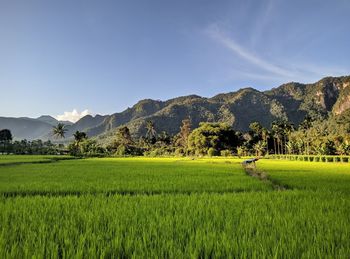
(292, 101)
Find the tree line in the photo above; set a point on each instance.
(311, 137)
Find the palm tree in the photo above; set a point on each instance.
(265, 136)
(260, 148)
(59, 130)
(79, 136)
(276, 136)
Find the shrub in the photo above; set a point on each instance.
(225, 153)
(179, 152)
(158, 152)
(330, 159)
(121, 150)
(212, 152)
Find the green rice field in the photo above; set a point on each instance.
(172, 208)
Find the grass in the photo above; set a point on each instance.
(327, 177)
(127, 176)
(6, 160)
(173, 208)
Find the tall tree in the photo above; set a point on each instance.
(124, 136)
(288, 128)
(185, 131)
(151, 132)
(79, 136)
(257, 129)
(276, 133)
(265, 136)
(59, 130)
(260, 148)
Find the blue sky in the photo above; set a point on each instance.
(56, 56)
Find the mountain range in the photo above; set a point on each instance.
(291, 101)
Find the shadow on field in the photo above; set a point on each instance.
(46, 161)
(117, 192)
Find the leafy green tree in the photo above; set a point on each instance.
(218, 136)
(5, 135)
(90, 148)
(5, 140)
(306, 123)
(327, 148)
(343, 149)
(164, 139)
(123, 136)
(185, 131)
(240, 151)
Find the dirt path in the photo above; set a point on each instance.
(251, 170)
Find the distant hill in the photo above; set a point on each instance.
(25, 128)
(52, 121)
(291, 101)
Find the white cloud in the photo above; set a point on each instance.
(72, 116)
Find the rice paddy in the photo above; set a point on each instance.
(173, 208)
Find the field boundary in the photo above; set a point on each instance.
(312, 158)
(252, 171)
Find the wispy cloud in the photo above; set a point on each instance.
(72, 116)
(262, 21)
(215, 32)
(291, 71)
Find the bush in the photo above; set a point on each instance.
(158, 152)
(212, 152)
(330, 159)
(74, 150)
(197, 153)
(179, 152)
(121, 150)
(225, 153)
